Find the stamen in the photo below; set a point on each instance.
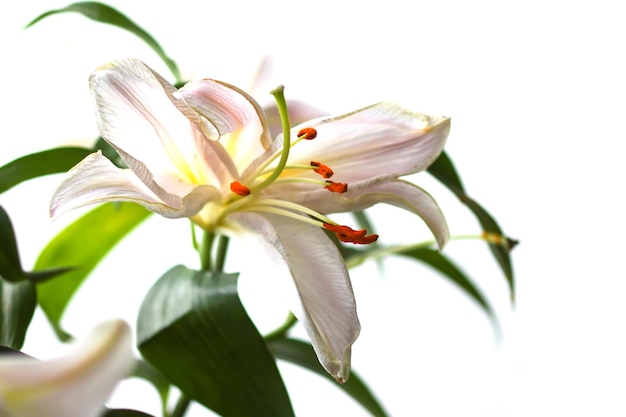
(239, 189)
(336, 187)
(307, 133)
(323, 170)
(347, 234)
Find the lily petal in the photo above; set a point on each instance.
(380, 141)
(76, 385)
(326, 305)
(137, 110)
(238, 118)
(95, 180)
(399, 193)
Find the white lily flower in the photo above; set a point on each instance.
(205, 152)
(76, 385)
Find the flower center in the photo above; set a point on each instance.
(247, 196)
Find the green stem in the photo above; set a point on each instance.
(283, 329)
(205, 249)
(181, 406)
(220, 256)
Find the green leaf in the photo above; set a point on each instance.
(38, 164)
(122, 412)
(81, 246)
(146, 371)
(443, 169)
(194, 330)
(442, 264)
(106, 14)
(302, 354)
(110, 152)
(17, 305)
(10, 264)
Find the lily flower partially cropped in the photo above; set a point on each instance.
(76, 385)
(205, 152)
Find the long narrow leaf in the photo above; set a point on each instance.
(51, 161)
(106, 14)
(447, 268)
(443, 170)
(302, 354)
(81, 246)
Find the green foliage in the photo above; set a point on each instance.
(106, 14)
(17, 305)
(448, 269)
(10, 265)
(302, 354)
(194, 330)
(81, 246)
(47, 162)
(124, 413)
(443, 169)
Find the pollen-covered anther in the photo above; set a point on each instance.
(336, 187)
(323, 170)
(239, 189)
(307, 133)
(347, 234)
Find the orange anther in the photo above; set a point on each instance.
(239, 189)
(323, 170)
(336, 187)
(307, 133)
(347, 234)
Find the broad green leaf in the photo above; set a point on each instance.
(106, 14)
(443, 169)
(302, 354)
(194, 330)
(442, 264)
(10, 265)
(17, 305)
(81, 246)
(51, 161)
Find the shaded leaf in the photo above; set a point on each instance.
(122, 412)
(17, 305)
(10, 351)
(10, 265)
(106, 14)
(194, 330)
(41, 276)
(302, 354)
(110, 152)
(81, 246)
(442, 264)
(443, 170)
(35, 165)
(147, 372)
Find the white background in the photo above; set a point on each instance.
(536, 93)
